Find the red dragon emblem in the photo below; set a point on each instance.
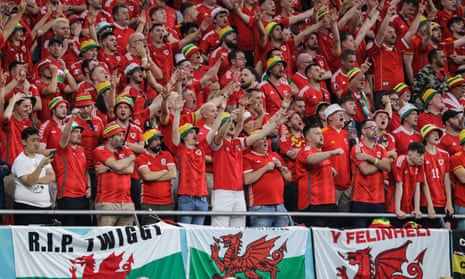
(387, 265)
(109, 267)
(257, 256)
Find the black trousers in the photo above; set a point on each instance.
(81, 203)
(29, 219)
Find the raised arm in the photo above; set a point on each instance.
(179, 105)
(65, 135)
(414, 26)
(382, 28)
(217, 122)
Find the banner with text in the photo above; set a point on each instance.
(381, 253)
(246, 253)
(104, 252)
(458, 254)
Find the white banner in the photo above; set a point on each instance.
(381, 253)
(103, 252)
(246, 253)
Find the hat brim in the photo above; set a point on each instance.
(434, 129)
(275, 63)
(457, 84)
(77, 127)
(88, 48)
(148, 141)
(61, 102)
(379, 112)
(133, 70)
(277, 24)
(408, 112)
(333, 112)
(188, 130)
(33, 99)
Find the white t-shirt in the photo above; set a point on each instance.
(37, 195)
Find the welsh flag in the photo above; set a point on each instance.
(104, 252)
(246, 253)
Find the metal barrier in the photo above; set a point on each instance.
(213, 213)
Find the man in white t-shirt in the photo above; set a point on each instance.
(33, 173)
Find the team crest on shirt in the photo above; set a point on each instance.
(284, 48)
(286, 92)
(23, 48)
(198, 152)
(163, 162)
(166, 52)
(228, 149)
(378, 154)
(336, 86)
(132, 135)
(441, 162)
(131, 8)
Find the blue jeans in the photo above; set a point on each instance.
(269, 221)
(192, 203)
(364, 207)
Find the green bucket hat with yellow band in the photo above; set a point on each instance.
(271, 26)
(428, 128)
(429, 94)
(225, 31)
(86, 45)
(185, 129)
(150, 135)
(103, 87)
(271, 62)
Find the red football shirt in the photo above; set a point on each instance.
(368, 188)
(312, 97)
(70, 170)
(10, 138)
(450, 143)
(274, 95)
(91, 137)
(409, 176)
(316, 182)
(387, 64)
(227, 167)
(334, 140)
(457, 161)
(436, 167)
(191, 163)
(112, 187)
(156, 192)
(261, 192)
(404, 138)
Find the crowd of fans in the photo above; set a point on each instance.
(228, 105)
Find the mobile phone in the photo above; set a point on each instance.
(51, 154)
